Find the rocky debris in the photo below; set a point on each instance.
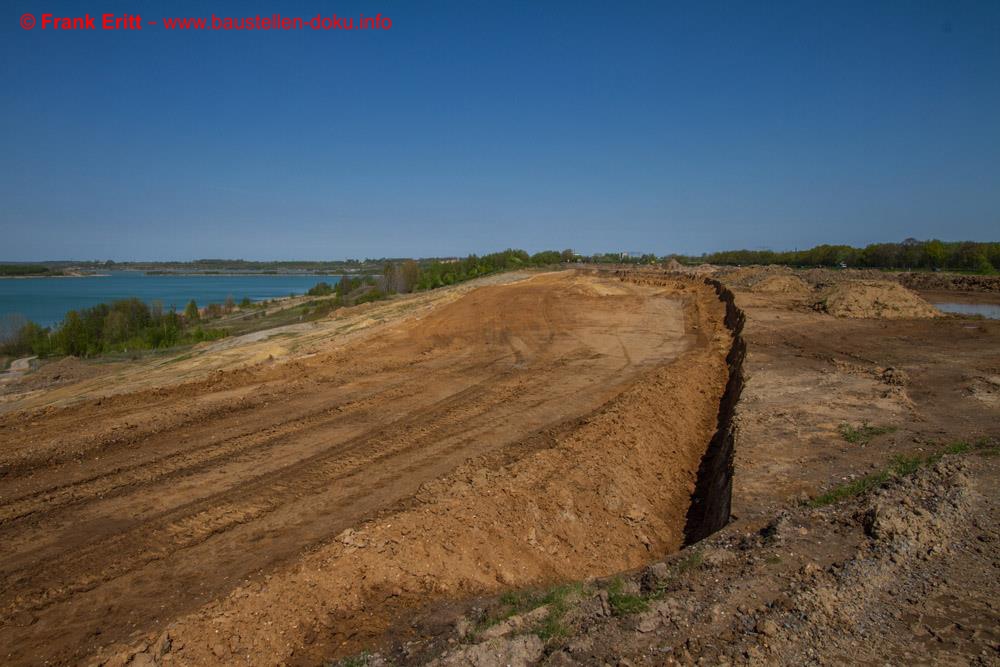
(516, 652)
(162, 645)
(950, 281)
(589, 609)
(921, 518)
(655, 577)
(893, 376)
(516, 623)
(806, 585)
(777, 528)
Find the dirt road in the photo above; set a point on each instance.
(121, 512)
(18, 367)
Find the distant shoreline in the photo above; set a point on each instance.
(160, 274)
(65, 275)
(216, 274)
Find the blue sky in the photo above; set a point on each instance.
(473, 126)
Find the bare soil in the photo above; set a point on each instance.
(498, 474)
(901, 574)
(875, 299)
(502, 435)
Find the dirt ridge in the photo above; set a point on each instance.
(555, 512)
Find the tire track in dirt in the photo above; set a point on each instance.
(178, 513)
(246, 441)
(196, 521)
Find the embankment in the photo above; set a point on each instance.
(711, 501)
(586, 497)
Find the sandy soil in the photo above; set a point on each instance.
(902, 575)
(375, 481)
(464, 441)
(878, 299)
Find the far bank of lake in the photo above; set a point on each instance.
(46, 299)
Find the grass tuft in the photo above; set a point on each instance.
(863, 434)
(622, 603)
(691, 562)
(901, 466)
(513, 603)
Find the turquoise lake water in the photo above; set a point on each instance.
(46, 300)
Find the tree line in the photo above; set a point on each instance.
(909, 254)
(28, 270)
(122, 326)
(410, 275)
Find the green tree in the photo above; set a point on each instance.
(934, 254)
(115, 328)
(191, 313)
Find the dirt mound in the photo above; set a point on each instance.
(875, 299)
(673, 265)
(950, 281)
(778, 284)
(748, 276)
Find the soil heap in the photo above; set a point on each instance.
(875, 299)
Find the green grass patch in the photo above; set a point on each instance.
(863, 434)
(558, 600)
(514, 603)
(901, 466)
(692, 561)
(623, 603)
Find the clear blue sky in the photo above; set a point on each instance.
(473, 126)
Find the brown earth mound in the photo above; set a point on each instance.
(791, 285)
(875, 299)
(950, 281)
(749, 276)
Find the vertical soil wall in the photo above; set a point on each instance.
(712, 498)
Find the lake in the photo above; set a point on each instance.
(46, 300)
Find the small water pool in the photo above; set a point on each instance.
(988, 310)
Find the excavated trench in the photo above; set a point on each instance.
(711, 502)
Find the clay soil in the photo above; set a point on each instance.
(285, 497)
